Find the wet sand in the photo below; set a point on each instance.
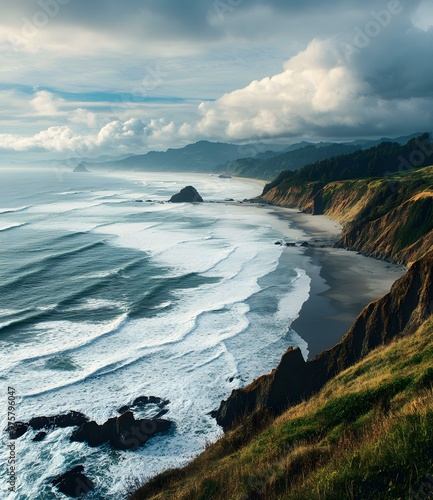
(342, 282)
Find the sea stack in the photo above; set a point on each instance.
(189, 194)
(81, 168)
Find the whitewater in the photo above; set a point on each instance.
(108, 292)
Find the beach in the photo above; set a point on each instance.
(342, 282)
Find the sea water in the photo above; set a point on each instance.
(104, 298)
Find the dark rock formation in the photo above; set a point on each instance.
(71, 419)
(161, 414)
(143, 401)
(40, 436)
(81, 168)
(38, 423)
(402, 311)
(122, 433)
(17, 429)
(73, 483)
(188, 194)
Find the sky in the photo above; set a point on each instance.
(87, 78)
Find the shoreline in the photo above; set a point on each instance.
(343, 282)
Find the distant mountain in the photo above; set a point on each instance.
(202, 156)
(368, 143)
(270, 167)
(100, 159)
(256, 160)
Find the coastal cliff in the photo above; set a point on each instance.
(389, 219)
(402, 311)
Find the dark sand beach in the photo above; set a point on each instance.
(342, 282)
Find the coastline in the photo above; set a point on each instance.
(342, 282)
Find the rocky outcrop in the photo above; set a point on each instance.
(189, 194)
(73, 483)
(81, 168)
(71, 419)
(143, 401)
(40, 436)
(17, 429)
(122, 433)
(402, 311)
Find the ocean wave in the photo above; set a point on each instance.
(108, 329)
(26, 318)
(12, 226)
(14, 210)
(63, 207)
(49, 260)
(136, 356)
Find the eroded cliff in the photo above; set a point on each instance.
(402, 311)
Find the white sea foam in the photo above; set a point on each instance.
(13, 210)
(6, 227)
(194, 350)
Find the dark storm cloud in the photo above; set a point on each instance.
(188, 18)
(350, 68)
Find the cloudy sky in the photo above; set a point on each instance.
(80, 77)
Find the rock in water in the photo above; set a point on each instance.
(73, 483)
(122, 433)
(189, 194)
(40, 436)
(81, 168)
(17, 429)
(71, 419)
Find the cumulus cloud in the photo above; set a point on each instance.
(334, 89)
(124, 136)
(423, 16)
(83, 116)
(45, 103)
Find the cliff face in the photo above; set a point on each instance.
(402, 311)
(403, 235)
(387, 218)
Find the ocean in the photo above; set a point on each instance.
(104, 299)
